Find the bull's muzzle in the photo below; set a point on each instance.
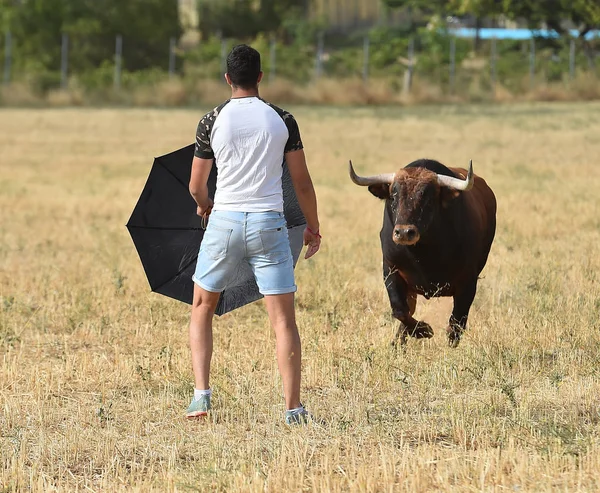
(405, 234)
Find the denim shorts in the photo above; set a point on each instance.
(259, 239)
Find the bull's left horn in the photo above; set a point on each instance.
(457, 183)
(365, 181)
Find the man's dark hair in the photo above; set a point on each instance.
(243, 66)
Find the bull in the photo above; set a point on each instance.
(438, 227)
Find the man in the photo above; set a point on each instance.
(249, 139)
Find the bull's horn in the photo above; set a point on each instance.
(457, 183)
(365, 181)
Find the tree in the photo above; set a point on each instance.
(229, 18)
(584, 14)
(479, 9)
(244, 19)
(92, 25)
(433, 6)
(428, 8)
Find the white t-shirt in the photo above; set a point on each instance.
(248, 138)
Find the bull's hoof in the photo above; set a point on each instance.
(454, 335)
(422, 331)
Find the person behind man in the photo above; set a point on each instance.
(249, 139)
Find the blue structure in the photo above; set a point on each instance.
(514, 34)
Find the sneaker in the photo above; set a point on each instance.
(297, 417)
(198, 408)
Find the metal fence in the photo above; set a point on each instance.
(64, 59)
(446, 72)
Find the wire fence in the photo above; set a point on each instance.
(445, 60)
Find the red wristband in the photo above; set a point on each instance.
(313, 232)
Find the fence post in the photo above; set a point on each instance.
(172, 45)
(532, 65)
(366, 55)
(64, 61)
(118, 61)
(382, 17)
(572, 60)
(7, 57)
(223, 57)
(408, 75)
(319, 59)
(452, 62)
(272, 60)
(493, 66)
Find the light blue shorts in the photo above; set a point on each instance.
(258, 238)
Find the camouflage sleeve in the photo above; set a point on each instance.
(203, 149)
(294, 142)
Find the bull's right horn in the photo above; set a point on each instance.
(365, 181)
(457, 183)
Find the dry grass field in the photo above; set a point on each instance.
(94, 369)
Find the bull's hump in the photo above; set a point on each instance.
(433, 166)
(418, 175)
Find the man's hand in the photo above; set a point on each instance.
(205, 208)
(313, 240)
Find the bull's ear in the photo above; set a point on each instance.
(381, 190)
(448, 195)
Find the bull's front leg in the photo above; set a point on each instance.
(403, 302)
(458, 320)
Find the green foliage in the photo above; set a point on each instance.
(296, 63)
(43, 80)
(293, 61)
(345, 63)
(386, 46)
(228, 18)
(296, 29)
(245, 19)
(396, 4)
(584, 13)
(436, 6)
(204, 61)
(478, 8)
(98, 78)
(147, 25)
(434, 54)
(38, 25)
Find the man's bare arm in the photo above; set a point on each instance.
(199, 184)
(307, 198)
(303, 186)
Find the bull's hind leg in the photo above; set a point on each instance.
(458, 320)
(403, 303)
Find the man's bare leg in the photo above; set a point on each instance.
(282, 315)
(201, 337)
